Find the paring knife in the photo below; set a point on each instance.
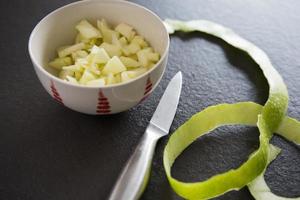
(135, 175)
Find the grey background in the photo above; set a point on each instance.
(50, 152)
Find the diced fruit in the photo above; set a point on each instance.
(114, 66)
(140, 41)
(118, 78)
(86, 77)
(137, 72)
(58, 63)
(96, 82)
(112, 50)
(108, 35)
(73, 68)
(71, 80)
(98, 55)
(79, 54)
(142, 57)
(79, 38)
(125, 30)
(150, 65)
(133, 48)
(64, 73)
(87, 30)
(123, 41)
(77, 75)
(153, 56)
(110, 79)
(134, 57)
(70, 49)
(104, 55)
(129, 62)
(125, 77)
(102, 24)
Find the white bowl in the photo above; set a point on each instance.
(58, 28)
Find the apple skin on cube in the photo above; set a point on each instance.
(114, 66)
(86, 77)
(87, 30)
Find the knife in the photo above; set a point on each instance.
(135, 175)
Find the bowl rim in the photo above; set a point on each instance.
(51, 76)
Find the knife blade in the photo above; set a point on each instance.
(135, 175)
(166, 109)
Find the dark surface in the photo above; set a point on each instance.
(50, 152)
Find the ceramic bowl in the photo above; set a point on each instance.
(57, 29)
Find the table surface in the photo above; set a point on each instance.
(50, 152)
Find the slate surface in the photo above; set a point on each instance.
(50, 152)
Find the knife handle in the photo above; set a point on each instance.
(135, 175)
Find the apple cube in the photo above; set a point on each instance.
(87, 30)
(114, 66)
(98, 55)
(58, 63)
(63, 52)
(86, 77)
(129, 62)
(71, 80)
(112, 50)
(64, 73)
(125, 30)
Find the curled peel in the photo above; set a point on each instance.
(259, 189)
(268, 118)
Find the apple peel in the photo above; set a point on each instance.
(268, 119)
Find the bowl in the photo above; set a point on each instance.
(58, 28)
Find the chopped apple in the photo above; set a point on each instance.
(142, 57)
(73, 68)
(110, 79)
(98, 55)
(125, 30)
(114, 66)
(58, 63)
(87, 30)
(125, 77)
(104, 55)
(79, 54)
(70, 49)
(123, 41)
(137, 72)
(86, 77)
(129, 62)
(71, 80)
(133, 48)
(79, 38)
(112, 50)
(153, 56)
(140, 41)
(96, 82)
(102, 24)
(108, 35)
(64, 73)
